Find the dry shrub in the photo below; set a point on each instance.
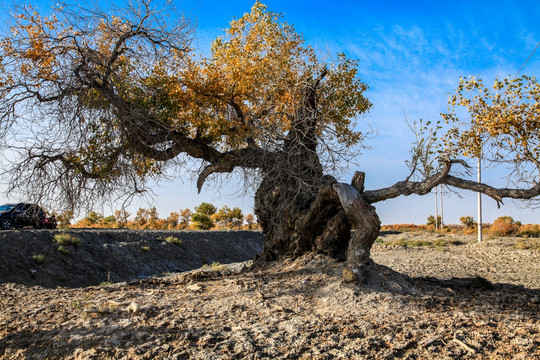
(529, 230)
(38, 259)
(427, 228)
(527, 244)
(67, 239)
(407, 227)
(437, 243)
(504, 226)
(469, 231)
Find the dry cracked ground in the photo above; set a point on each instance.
(451, 299)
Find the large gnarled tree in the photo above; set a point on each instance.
(94, 105)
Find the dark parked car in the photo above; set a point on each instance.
(22, 214)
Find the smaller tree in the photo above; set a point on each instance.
(91, 220)
(236, 218)
(468, 222)
(227, 217)
(431, 220)
(172, 220)
(184, 219)
(108, 221)
(504, 226)
(153, 219)
(122, 217)
(93, 217)
(141, 218)
(206, 208)
(201, 219)
(64, 218)
(250, 221)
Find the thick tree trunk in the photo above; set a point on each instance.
(298, 217)
(317, 222)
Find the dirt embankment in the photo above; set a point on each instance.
(32, 257)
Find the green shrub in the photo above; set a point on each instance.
(67, 239)
(408, 243)
(437, 243)
(201, 221)
(431, 220)
(63, 250)
(216, 266)
(38, 259)
(171, 240)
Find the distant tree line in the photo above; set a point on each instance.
(206, 216)
(501, 226)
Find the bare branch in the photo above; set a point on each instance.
(444, 177)
(210, 169)
(496, 193)
(412, 187)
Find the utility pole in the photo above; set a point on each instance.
(479, 199)
(442, 216)
(436, 208)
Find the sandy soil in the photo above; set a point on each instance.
(468, 301)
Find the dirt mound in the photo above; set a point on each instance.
(33, 257)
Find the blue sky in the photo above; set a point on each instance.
(411, 54)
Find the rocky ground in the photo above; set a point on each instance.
(449, 298)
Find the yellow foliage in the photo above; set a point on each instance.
(501, 121)
(251, 87)
(248, 91)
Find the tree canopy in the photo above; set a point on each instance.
(500, 124)
(107, 102)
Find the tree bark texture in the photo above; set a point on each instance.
(319, 223)
(301, 216)
(364, 219)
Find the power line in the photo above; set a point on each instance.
(525, 63)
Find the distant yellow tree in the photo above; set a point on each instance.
(185, 218)
(172, 220)
(122, 217)
(152, 219)
(141, 218)
(500, 124)
(250, 221)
